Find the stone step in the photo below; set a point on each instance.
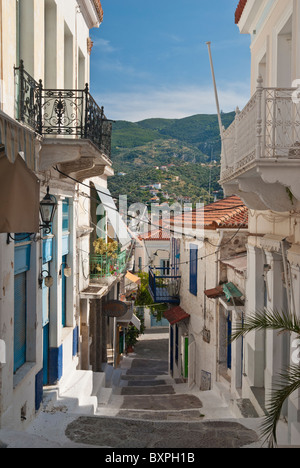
(161, 403)
(146, 383)
(173, 416)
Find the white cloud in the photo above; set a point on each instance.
(176, 102)
(104, 45)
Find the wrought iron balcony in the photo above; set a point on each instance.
(261, 151)
(61, 112)
(104, 266)
(164, 288)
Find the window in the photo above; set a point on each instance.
(193, 269)
(22, 266)
(165, 266)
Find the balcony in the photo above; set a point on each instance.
(76, 132)
(164, 288)
(105, 266)
(261, 151)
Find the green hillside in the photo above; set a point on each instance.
(189, 148)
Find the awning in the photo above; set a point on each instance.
(133, 278)
(176, 315)
(130, 317)
(19, 197)
(114, 216)
(231, 291)
(214, 293)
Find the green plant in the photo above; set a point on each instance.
(288, 379)
(106, 248)
(132, 335)
(143, 298)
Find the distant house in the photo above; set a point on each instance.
(205, 317)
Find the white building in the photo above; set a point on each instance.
(260, 164)
(54, 137)
(202, 319)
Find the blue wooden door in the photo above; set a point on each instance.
(171, 350)
(229, 331)
(46, 318)
(20, 318)
(46, 354)
(64, 292)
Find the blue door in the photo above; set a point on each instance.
(46, 317)
(171, 350)
(20, 319)
(229, 331)
(64, 292)
(46, 354)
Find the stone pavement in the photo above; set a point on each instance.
(151, 410)
(147, 409)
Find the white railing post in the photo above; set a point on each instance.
(259, 127)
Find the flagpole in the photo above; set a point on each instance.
(217, 101)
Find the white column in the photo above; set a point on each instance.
(254, 342)
(56, 289)
(274, 342)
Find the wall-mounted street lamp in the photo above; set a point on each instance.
(67, 270)
(47, 210)
(48, 279)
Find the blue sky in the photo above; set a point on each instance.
(150, 58)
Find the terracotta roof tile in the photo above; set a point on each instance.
(99, 9)
(175, 315)
(240, 10)
(157, 234)
(230, 212)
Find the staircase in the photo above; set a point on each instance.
(80, 393)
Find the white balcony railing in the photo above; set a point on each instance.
(267, 128)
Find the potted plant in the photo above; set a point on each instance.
(131, 338)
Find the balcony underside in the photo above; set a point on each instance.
(78, 158)
(266, 184)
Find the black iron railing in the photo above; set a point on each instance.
(61, 112)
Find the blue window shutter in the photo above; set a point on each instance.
(65, 216)
(193, 269)
(20, 313)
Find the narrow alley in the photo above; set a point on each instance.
(145, 405)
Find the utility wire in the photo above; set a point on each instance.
(133, 217)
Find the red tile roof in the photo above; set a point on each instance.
(230, 212)
(240, 10)
(157, 234)
(175, 315)
(99, 9)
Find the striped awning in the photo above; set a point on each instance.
(17, 139)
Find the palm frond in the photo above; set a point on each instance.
(267, 320)
(288, 382)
